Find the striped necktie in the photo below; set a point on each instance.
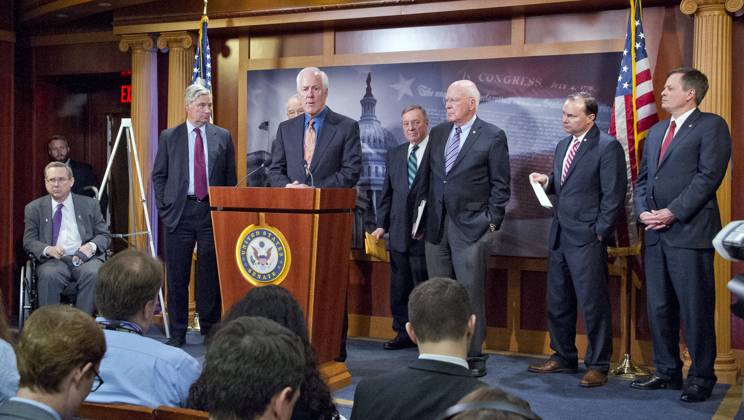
(452, 149)
(412, 166)
(310, 141)
(569, 159)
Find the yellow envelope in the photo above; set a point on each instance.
(375, 248)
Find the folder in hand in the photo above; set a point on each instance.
(376, 248)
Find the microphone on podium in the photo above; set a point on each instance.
(263, 165)
(308, 173)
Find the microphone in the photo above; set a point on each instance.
(263, 165)
(308, 173)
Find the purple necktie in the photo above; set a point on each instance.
(200, 167)
(56, 223)
(452, 150)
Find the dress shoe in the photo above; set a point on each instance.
(399, 342)
(695, 393)
(654, 382)
(477, 365)
(593, 378)
(176, 341)
(551, 366)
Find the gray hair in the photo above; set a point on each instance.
(414, 107)
(193, 92)
(471, 89)
(56, 164)
(316, 72)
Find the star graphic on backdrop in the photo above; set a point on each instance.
(403, 86)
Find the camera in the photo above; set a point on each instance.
(729, 243)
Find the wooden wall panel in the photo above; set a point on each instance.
(7, 143)
(93, 58)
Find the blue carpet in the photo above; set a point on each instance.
(552, 396)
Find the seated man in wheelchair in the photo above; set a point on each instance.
(66, 233)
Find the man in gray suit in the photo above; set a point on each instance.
(684, 161)
(191, 157)
(589, 182)
(58, 354)
(67, 234)
(468, 191)
(318, 148)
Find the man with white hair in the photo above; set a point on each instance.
(468, 192)
(191, 157)
(318, 148)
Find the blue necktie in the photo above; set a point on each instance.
(453, 148)
(412, 166)
(56, 223)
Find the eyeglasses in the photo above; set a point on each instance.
(56, 180)
(97, 381)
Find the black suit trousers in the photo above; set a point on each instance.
(577, 276)
(680, 283)
(406, 272)
(195, 227)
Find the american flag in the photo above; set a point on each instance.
(202, 57)
(634, 112)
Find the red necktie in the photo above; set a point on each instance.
(200, 167)
(667, 140)
(569, 159)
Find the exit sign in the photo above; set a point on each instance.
(125, 94)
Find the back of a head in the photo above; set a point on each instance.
(55, 340)
(485, 403)
(250, 360)
(272, 302)
(126, 282)
(439, 309)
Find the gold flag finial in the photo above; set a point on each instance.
(205, 7)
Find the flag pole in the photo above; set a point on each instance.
(628, 369)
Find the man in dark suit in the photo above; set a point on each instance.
(442, 324)
(59, 151)
(319, 148)
(589, 182)
(58, 354)
(191, 157)
(684, 161)
(67, 234)
(404, 187)
(468, 192)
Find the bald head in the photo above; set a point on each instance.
(461, 101)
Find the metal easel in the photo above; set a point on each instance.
(126, 127)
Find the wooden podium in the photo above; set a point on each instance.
(310, 230)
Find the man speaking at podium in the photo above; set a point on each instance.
(191, 157)
(319, 148)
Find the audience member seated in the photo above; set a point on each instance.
(8, 368)
(441, 323)
(58, 355)
(253, 370)
(138, 370)
(67, 234)
(490, 404)
(278, 305)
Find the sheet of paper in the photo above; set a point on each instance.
(417, 222)
(540, 194)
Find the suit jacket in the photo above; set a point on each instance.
(421, 391)
(23, 411)
(396, 212)
(686, 180)
(476, 190)
(588, 203)
(84, 177)
(170, 173)
(38, 216)
(336, 163)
